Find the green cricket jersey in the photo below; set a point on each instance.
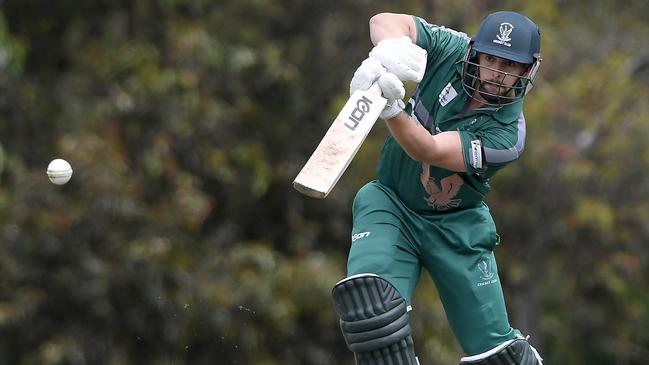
(491, 137)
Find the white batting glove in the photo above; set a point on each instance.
(393, 90)
(401, 57)
(371, 74)
(392, 109)
(391, 87)
(366, 74)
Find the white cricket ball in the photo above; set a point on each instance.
(59, 171)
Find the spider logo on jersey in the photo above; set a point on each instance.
(442, 196)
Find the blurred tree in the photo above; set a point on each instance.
(179, 238)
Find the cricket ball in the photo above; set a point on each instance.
(59, 171)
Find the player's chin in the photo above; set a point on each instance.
(489, 95)
(493, 89)
(493, 92)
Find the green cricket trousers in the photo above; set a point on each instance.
(392, 241)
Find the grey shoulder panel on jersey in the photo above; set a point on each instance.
(493, 155)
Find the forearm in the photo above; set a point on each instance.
(442, 150)
(412, 136)
(390, 25)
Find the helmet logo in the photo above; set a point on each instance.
(503, 37)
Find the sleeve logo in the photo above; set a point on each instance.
(476, 154)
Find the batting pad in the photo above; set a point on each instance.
(374, 321)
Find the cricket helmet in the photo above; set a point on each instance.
(508, 35)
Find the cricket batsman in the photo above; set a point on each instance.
(463, 123)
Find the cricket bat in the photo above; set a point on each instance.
(340, 144)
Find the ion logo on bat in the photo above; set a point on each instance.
(362, 107)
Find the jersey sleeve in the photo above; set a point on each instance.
(488, 150)
(435, 38)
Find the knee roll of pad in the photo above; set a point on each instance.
(513, 352)
(374, 320)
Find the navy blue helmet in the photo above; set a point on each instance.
(508, 35)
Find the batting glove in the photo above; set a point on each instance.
(366, 74)
(401, 57)
(392, 109)
(371, 74)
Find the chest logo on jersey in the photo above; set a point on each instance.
(447, 94)
(442, 196)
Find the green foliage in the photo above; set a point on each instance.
(179, 239)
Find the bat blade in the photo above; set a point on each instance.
(340, 144)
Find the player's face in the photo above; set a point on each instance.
(498, 75)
